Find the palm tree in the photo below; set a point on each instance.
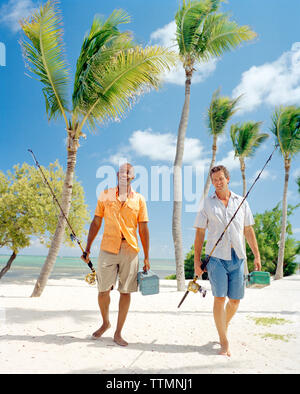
(201, 34)
(111, 72)
(246, 138)
(286, 128)
(221, 109)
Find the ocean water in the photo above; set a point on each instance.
(25, 268)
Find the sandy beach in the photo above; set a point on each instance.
(52, 334)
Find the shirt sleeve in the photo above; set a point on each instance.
(201, 220)
(100, 207)
(249, 220)
(143, 213)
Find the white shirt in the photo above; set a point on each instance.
(215, 216)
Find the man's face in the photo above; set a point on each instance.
(219, 181)
(125, 176)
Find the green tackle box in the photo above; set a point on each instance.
(258, 279)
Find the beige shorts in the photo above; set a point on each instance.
(125, 264)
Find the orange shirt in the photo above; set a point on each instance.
(121, 219)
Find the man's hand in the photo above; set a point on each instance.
(197, 269)
(257, 263)
(146, 264)
(87, 258)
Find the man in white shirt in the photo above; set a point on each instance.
(226, 265)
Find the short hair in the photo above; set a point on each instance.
(220, 168)
(129, 167)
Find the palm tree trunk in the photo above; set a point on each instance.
(177, 204)
(279, 268)
(212, 163)
(65, 205)
(8, 264)
(243, 167)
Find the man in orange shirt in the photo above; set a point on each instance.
(123, 210)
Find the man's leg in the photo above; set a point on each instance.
(220, 321)
(123, 310)
(103, 301)
(236, 286)
(128, 269)
(231, 308)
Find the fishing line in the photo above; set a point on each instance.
(193, 286)
(90, 278)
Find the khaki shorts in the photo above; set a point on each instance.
(125, 264)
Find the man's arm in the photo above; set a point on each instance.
(93, 231)
(144, 235)
(199, 240)
(251, 239)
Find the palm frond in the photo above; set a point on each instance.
(221, 109)
(286, 128)
(220, 35)
(189, 19)
(115, 85)
(103, 41)
(44, 54)
(246, 138)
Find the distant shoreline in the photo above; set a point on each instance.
(77, 256)
(27, 267)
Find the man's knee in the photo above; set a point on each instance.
(220, 300)
(234, 302)
(103, 294)
(124, 295)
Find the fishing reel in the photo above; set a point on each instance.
(195, 287)
(91, 278)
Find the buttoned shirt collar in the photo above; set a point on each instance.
(214, 216)
(232, 194)
(131, 193)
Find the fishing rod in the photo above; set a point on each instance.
(90, 278)
(195, 287)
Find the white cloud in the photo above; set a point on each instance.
(162, 147)
(122, 156)
(13, 11)
(265, 175)
(276, 83)
(155, 146)
(296, 173)
(166, 36)
(229, 161)
(159, 147)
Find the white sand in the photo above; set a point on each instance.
(51, 334)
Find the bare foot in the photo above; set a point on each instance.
(119, 340)
(224, 351)
(97, 334)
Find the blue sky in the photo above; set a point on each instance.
(265, 70)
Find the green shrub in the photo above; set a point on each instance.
(189, 263)
(267, 230)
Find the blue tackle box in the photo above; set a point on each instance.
(148, 282)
